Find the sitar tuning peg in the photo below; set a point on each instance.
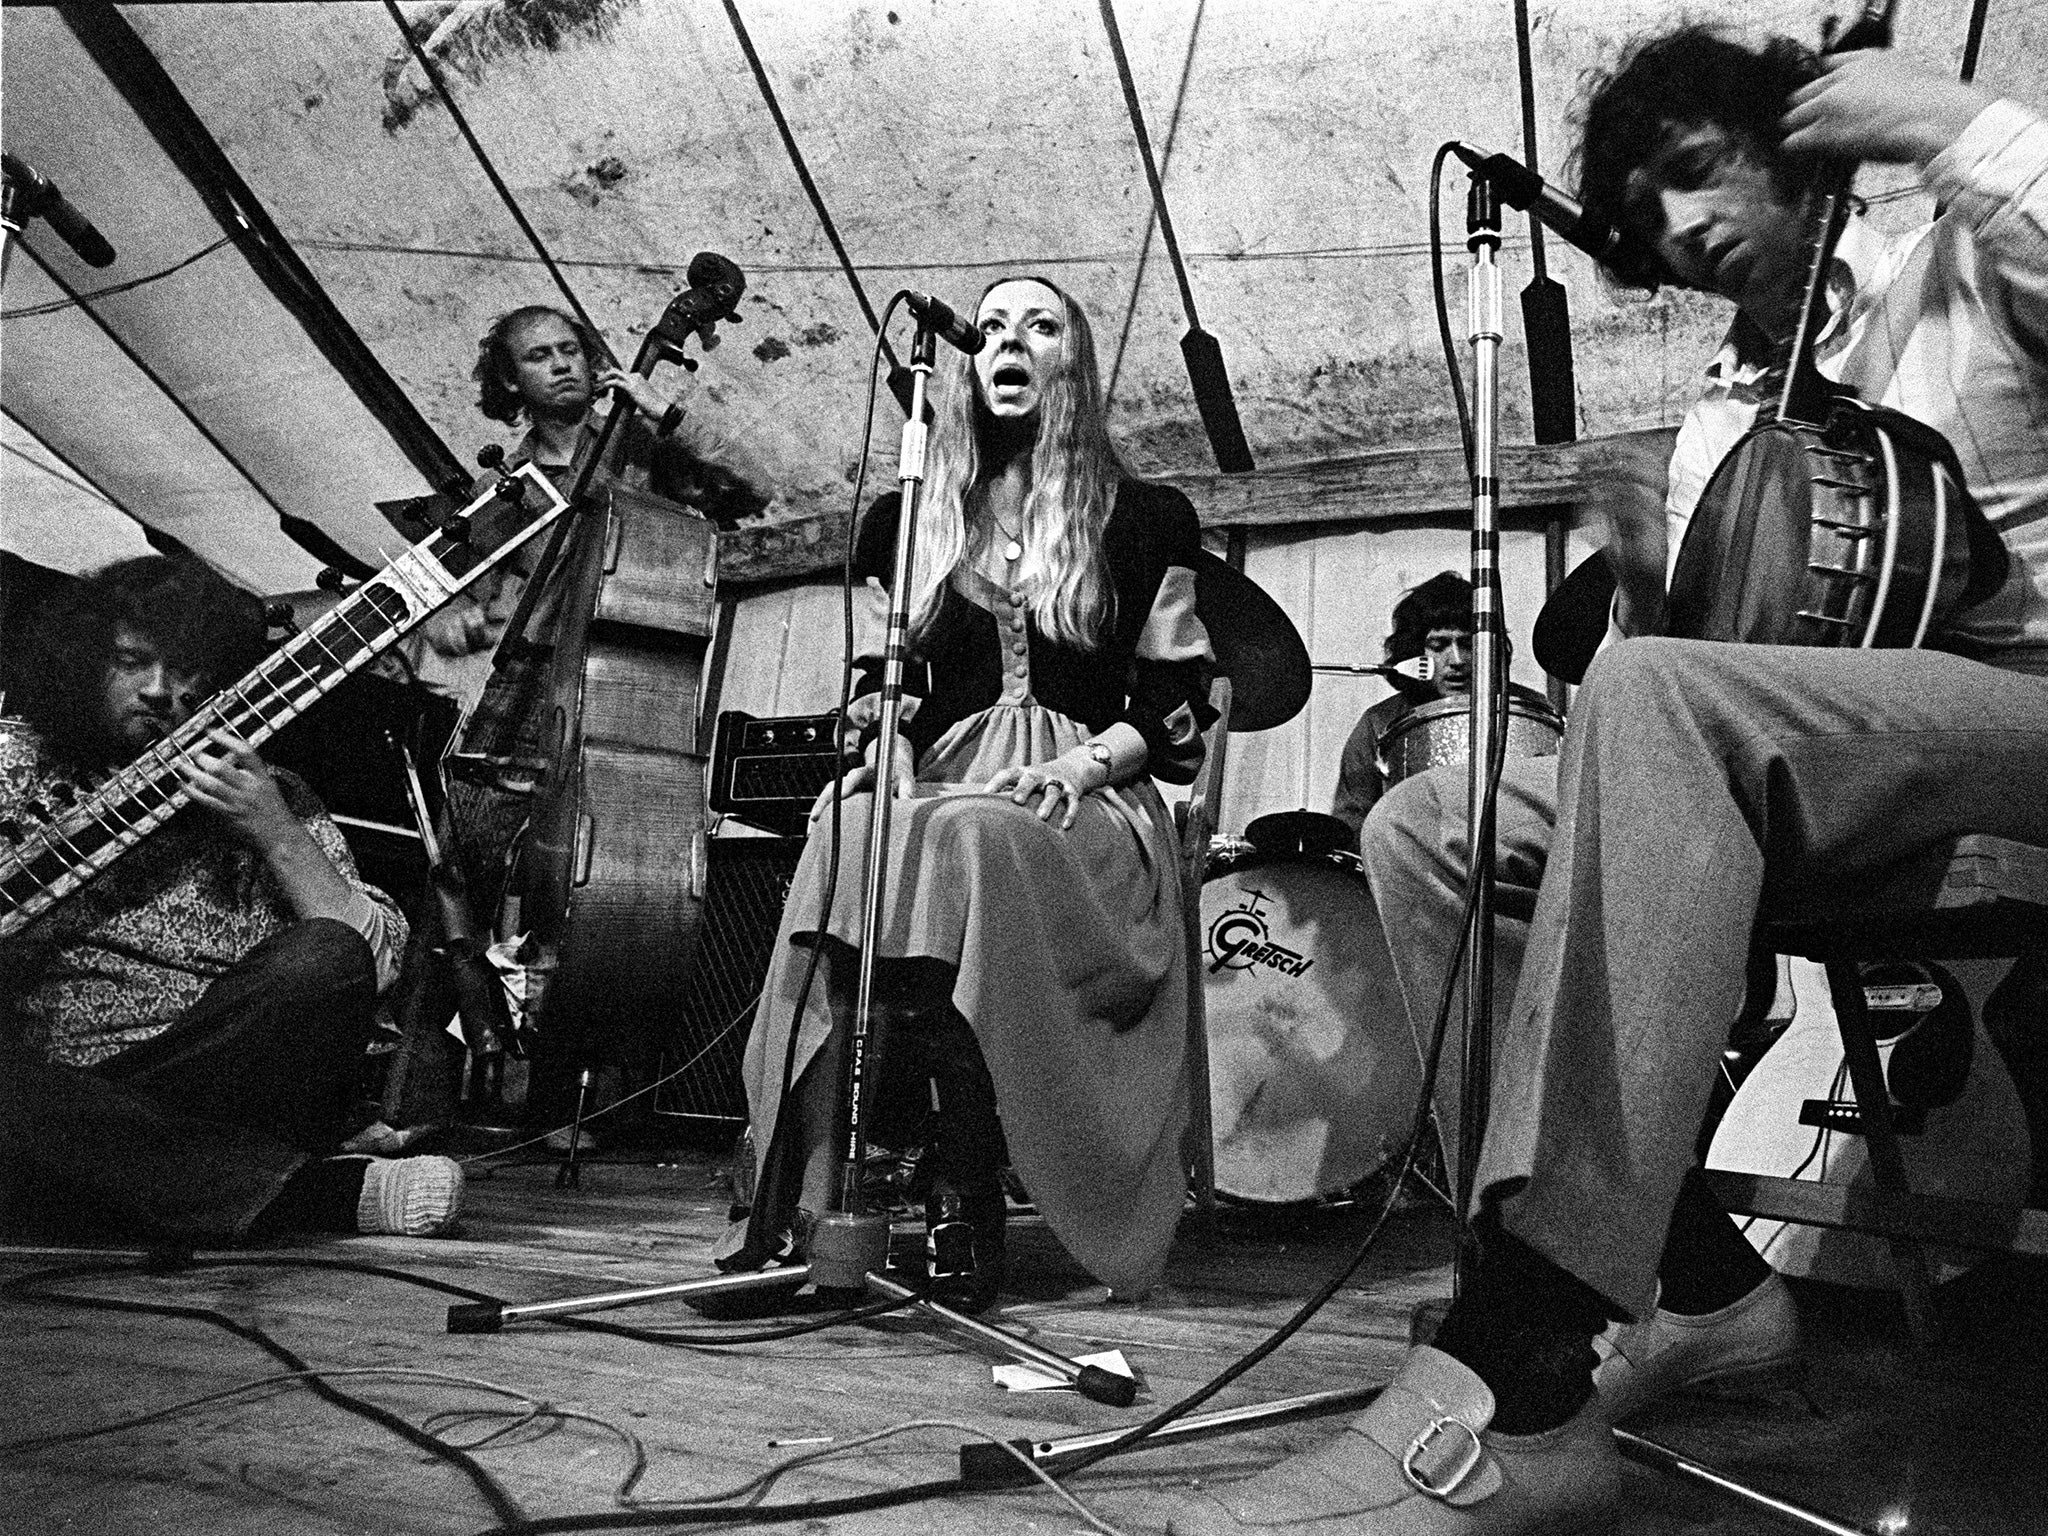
(491, 456)
(279, 616)
(332, 578)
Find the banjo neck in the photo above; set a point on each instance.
(1804, 394)
(55, 860)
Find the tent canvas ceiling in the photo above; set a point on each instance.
(949, 140)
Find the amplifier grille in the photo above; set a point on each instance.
(746, 885)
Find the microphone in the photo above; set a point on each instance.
(40, 197)
(937, 316)
(1522, 188)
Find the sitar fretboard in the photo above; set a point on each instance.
(55, 860)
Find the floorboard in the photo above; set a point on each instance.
(1891, 1442)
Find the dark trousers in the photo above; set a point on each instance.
(193, 1132)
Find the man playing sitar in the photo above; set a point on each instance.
(180, 1039)
(1698, 781)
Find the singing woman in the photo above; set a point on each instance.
(1032, 952)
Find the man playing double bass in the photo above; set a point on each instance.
(1699, 780)
(542, 368)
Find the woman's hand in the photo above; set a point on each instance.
(904, 779)
(1066, 780)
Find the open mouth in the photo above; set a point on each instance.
(1010, 376)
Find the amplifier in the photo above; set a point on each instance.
(768, 772)
(748, 883)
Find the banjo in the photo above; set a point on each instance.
(54, 860)
(1833, 522)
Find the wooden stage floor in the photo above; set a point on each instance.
(1956, 1442)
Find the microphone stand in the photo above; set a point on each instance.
(849, 1246)
(1484, 332)
(852, 1241)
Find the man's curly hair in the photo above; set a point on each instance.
(1695, 76)
(496, 396)
(1442, 602)
(199, 622)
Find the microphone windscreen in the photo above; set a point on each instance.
(1547, 329)
(1218, 407)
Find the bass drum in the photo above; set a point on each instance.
(1435, 734)
(1313, 1072)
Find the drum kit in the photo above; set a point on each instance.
(1313, 1066)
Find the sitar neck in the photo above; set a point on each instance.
(144, 794)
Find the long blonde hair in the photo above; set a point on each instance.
(1074, 474)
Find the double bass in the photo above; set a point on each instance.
(578, 778)
(1834, 521)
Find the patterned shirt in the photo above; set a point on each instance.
(122, 958)
(1949, 325)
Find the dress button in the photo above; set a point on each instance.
(1017, 648)
(1016, 599)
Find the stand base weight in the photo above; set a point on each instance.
(845, 1246)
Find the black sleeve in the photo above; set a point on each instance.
(1173, 661)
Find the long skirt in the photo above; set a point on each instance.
(1068, 960)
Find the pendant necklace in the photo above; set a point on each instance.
(1013, 551)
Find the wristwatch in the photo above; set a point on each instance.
(1100, 751)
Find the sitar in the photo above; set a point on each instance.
(1834, 521)
(52, 861)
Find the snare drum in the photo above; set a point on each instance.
(1313, 1072)
(1435, 734)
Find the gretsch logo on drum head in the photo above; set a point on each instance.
(1238, 940)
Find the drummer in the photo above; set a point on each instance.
(1432, 635)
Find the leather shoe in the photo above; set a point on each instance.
(964, 1256)
(1748, 1345)
(1421, 1462)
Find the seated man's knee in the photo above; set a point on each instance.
(1646, 665)
(319, 956)
(1408, 828)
